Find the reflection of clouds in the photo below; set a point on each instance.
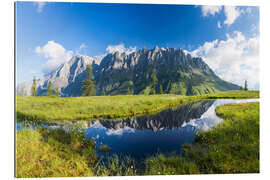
(209, 119)
(95, 137)
(97, 125)
(206, 121)
(109, 132)
(119, 132)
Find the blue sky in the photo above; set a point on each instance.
(48, 34)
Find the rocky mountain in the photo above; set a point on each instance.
(177, 72)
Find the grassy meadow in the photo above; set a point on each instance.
(107, 107)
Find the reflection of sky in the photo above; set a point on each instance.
(209, 119)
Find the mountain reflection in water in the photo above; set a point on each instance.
(146, 135)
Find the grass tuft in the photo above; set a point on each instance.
(104, 148)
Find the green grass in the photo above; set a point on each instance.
(235, 95)
(55, 153)
(107, 107)
(230, 147)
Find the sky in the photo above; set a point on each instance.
(50, 33)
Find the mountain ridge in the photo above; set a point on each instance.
(116, 73)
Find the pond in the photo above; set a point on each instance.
(143, 136)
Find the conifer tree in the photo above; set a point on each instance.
(153, 91)
(129, 91)
(154, 79)
(33, 88)
(154, 83)
(103, 92)
(246, 86)
(89, 87)
(160, 89)
(57, 91)
(49, 89)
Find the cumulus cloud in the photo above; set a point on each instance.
(40, 6)
(210, 10)
(235, 59)
(55, 53)
(231, 13)
(81, 49)
(120, 48)
(82, 46)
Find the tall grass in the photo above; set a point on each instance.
(107, 107)
(53, 153)
(56, 153)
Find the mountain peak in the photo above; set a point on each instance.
(156, 48)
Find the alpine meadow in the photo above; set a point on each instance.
(106, 89)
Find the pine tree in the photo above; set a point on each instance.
(89, 87)
(153, 91)
(246, 86)
(103, 92)
(33, 88)
(154, 83)
(49, 89)
(160, 89)
(129, 91)
(57, 91)
(154, 79)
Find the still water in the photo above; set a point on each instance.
(143, 136)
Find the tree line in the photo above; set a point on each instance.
(49, 90)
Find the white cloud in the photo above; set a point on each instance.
(82, 46)
(235, 59)
(219, 25)
(55, 53)
(120, 48)
(210, 10)
(40, 6)
(231, 13)
(81, 49)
